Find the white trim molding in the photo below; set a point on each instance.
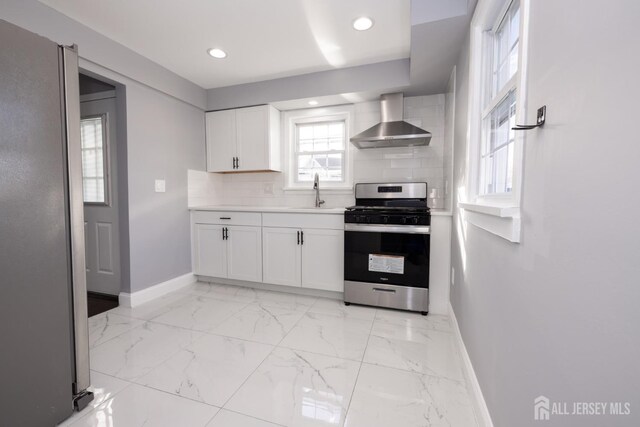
(503, 221)
(310, 115)
(156, 291)
(483, 417)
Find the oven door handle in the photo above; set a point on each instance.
(398, 229)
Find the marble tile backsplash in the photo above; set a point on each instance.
(399, 164)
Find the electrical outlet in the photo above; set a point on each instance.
(453, 276)
(160, 186)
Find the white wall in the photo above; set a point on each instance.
(375, 165)
(164, 138)
(557, 315)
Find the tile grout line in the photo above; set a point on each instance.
(263, 360)
(355, 384)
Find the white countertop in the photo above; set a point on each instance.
(279, 209)
(286, 209)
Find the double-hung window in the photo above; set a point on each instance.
(497, 147)
(497, 100)
(318, 143)
(320, 148)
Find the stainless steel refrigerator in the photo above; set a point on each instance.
(44, 351)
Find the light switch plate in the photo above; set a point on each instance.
(160, 186)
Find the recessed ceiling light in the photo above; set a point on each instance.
(363, 23)
(217, 53)
(313, 102)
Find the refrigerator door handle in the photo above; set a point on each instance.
(69, 62)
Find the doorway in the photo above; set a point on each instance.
(100, 145)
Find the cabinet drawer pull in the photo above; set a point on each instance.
(393, 291)
(225, 217)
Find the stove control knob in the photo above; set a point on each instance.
(385, 219)
(414, 220)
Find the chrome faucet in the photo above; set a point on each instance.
(316, 186)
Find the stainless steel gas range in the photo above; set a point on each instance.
(386, 247)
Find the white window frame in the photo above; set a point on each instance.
(291, 121)
(106, 161)
(496, 213)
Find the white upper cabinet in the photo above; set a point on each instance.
(243, 139)
(221, 140)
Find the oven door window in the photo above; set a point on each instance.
(391, 258)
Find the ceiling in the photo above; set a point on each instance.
(264, 39)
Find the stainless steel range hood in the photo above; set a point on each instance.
(392, 131)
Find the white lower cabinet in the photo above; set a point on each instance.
(281, 256)
(310, 258)
(303, 250)
(228, 252)
(323, 259)
(244, 255)
(210, 250)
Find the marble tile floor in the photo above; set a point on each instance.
(226, 356)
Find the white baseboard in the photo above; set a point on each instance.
(156, 291)
(479, 405)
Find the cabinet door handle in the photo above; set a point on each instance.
(226, 233)
(222, 233)
(302, 237)
(237, 162)
(233, 162)
(298, 233)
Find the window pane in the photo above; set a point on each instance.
(496, 162)
(93, 146)
(320, 147)
(305, 132)
(320, 144)
(505, 49)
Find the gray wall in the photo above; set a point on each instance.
(557, 314)
(379, 76)
(164, 138)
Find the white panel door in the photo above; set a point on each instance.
(323, 259)
(281, 256)
(210, 250)
(244, 251)
(221, 140)
(102, 234)
(252, 126)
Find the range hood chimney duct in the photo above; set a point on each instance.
(392, 131)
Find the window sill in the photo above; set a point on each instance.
(503, 221)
